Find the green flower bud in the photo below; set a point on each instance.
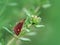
(35, 19)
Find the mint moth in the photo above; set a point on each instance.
(18, 27)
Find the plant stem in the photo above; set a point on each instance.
(9, 43)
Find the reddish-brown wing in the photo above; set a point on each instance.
(18, 27)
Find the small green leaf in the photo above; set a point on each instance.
(0, 43)
(12, 4)
(7, 30)
(39, 25)
(27, 30)
(46, 5)
(27, 12)
(31, 33)
(24, 39)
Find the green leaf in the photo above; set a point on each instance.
(24, 39)
(7, 30)
(31, 33)
(0, 43)
(26, 11)
(12, 4)
(39, 25)
(46, 5)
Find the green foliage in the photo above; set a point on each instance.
(12, 11)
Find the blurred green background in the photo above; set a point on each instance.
(10, 13)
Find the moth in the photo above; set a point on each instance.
(18, 27)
